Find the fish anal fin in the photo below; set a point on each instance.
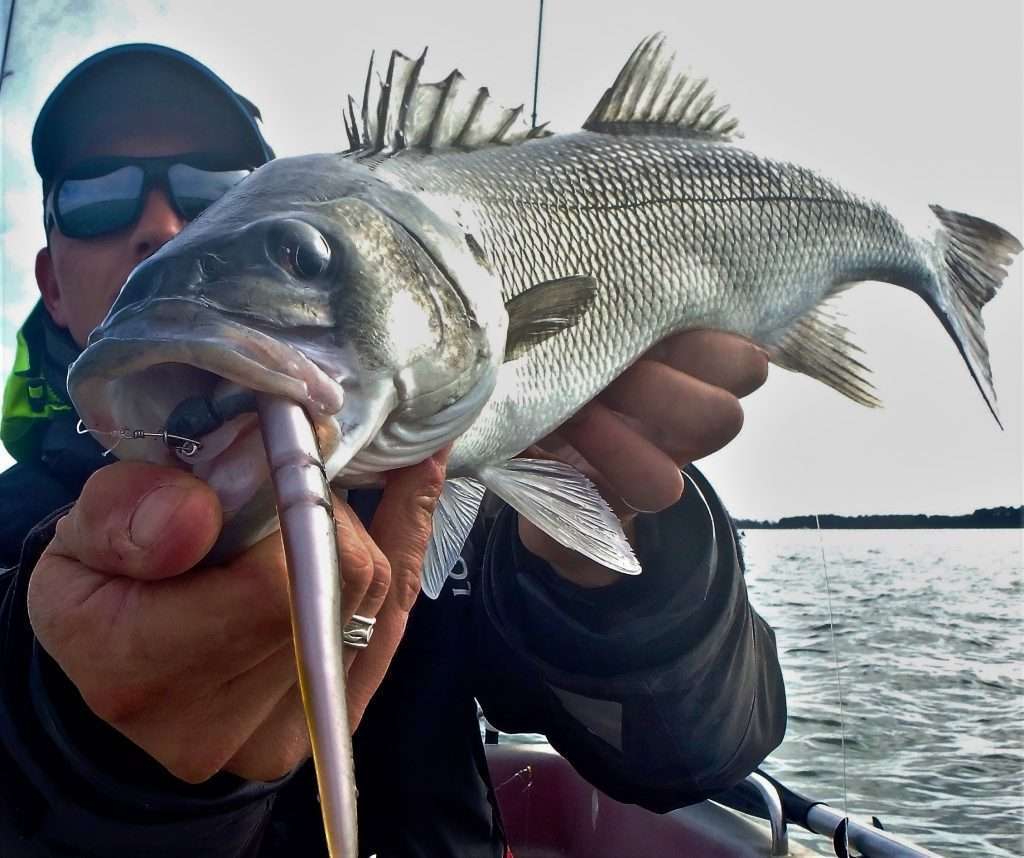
(546, 309)
(566, 505)
(454, 515)
(819, 346)
(650, 96)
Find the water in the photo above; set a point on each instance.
(929, 628)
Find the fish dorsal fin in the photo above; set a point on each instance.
(651, 97)
(407, 114)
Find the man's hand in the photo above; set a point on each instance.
(676, 404)
(195, 665)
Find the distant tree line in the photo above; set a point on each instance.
(997, 516)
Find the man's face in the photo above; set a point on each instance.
(80, 278)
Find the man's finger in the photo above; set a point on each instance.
(638, 471)
(363, 565)
(401, 527)
(683, 416)
(365, 571)
(720, 359)
(141, 521)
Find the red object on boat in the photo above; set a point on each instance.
(549, 811)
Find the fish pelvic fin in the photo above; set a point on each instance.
(650, 96)
(818, 345)
(972, 260)
(404, 113)
(454, 515)
(566, 505)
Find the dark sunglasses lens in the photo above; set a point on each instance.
(98, 205)
(195, 189)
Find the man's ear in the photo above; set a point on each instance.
(46, 280)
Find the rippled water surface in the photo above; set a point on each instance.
(929, 630)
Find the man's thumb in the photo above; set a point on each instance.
(140, 521)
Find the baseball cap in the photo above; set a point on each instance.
(144, 80)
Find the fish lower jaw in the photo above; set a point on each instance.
(232, 462)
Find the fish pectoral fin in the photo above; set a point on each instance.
(566, 506)
(651, 97)
(545, 310)
(819, 346)
(454, 515)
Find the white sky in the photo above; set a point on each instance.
(911, 101)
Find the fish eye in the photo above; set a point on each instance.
(301, 249)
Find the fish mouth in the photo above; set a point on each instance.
(146, 361)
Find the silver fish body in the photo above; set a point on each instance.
(676, 228)
(680, 233)
(598, 244)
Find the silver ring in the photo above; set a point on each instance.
(357, 632)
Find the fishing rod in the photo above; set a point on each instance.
(536, 66)
(818, 817)
(7, 44)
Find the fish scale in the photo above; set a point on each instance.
(680, 234)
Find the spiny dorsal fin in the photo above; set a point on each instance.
(650, 97)
(406, 114)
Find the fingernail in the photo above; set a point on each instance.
(149, 521)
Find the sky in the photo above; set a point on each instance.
(908, 101)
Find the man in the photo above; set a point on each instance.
(148, 702)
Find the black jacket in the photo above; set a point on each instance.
(661, 689)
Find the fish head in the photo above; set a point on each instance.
(311, 280)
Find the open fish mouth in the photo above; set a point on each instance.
(138, 371)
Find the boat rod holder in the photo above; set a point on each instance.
(776, 816)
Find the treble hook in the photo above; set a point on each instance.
(186, 447)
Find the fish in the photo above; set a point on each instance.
(457, 276)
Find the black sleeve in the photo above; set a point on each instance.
(29, 493)
(661, 689)
(71, 785)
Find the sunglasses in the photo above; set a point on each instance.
(105, 195)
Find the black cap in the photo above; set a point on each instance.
(143, 79)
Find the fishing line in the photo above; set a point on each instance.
(839, 680)
(3, 196)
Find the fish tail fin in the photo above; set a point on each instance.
(972, 256)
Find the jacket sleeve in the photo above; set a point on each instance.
(662, 689)
(71, 785)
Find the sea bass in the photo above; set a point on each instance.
(458, 275)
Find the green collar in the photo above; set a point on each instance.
(36, 390)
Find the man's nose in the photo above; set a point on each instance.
(157, 225)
